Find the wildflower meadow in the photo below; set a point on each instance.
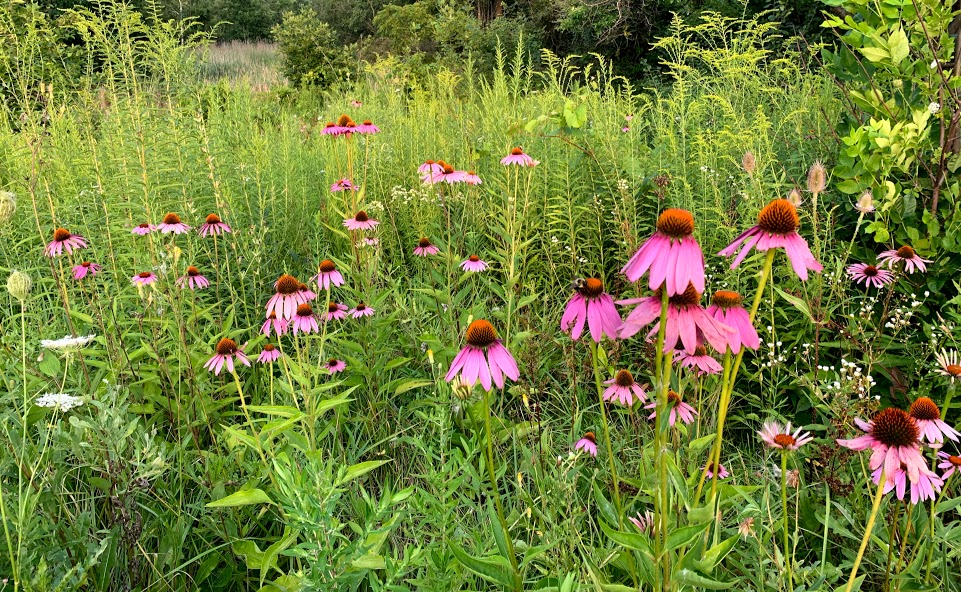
(539, 328)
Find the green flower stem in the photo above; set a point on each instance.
(867, 532)
(492, 475)
(250, 422)
(787, 546)
(607, 435)
(660, 500)
(934, 505)
(947, 400)
(722, 414)
(827, 522)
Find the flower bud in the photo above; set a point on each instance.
(19, 284)
(8, 205)
(795, 197)
(817, 177)
(865, 203)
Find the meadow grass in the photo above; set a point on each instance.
(283, 476)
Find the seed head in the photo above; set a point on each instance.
(8, 205)
(817, 177)
(481, 334)
(19, 284)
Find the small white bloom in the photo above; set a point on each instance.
(60, 401)
(67, 343)
(934, 107)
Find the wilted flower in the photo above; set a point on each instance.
(949, 362)
(721, 473)
(746, 527)
(748, 162)
(644, 522)
(794, 196)
(865, 203)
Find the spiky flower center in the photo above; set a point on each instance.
(304, 310)
(893, 427)
(592, 288)
(350, 125)
(870, 271)
(473, 258)
(589, 436)
(287, 284)
(423, 243)
(472, 173)
(272, 316)
(333, 307)
(955, 460)
(269, 347)
(331, 362)
(368, 122)
(784, 440)
(144, 275)
(953, 369)
(171, 218)
(361, 216)
(481, 334)
(143, 225)
(361, 306)
(700, 350)
(213, 219)
(302, 287)
(327, 266)
(623, 378)
(61, 234)
(330, 124)
(675, 223)
(906, 252)
(690, 296)
(343, 120)
(778, 217)
(86, 264)
(193, 271)
(428, 162)
(226, 347)
(448, 170)
(727, 299)
(673, 398)
(441, 163)
(924, 408)
(516, 151)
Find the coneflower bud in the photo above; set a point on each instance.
(795, 197)
(817, 177)
(8, 205)
(748, 162)
(19, 284)
(865, 203)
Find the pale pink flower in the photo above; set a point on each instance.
(484, 358)
(950, 464)
(335, 310)
(679, 409)
(700, 361)
(213, 226)
(64, 240)
(777, 225)
(933, 430)
(276, 324)
(447, 174)
(588, 444)
(143, 229)
(367, 127)
(172, 224)
(193, 280)
(671, 254)
(361, 310)
(774, 435)
(286, 298)
(643, 522)
(144, 278)
(473, 263)
(269, 354)
(425, 248)
(430, 167)
(84, 269)
(726, 308)
(304, 320)
(227, 350)
(361, 221)
(518, 157)
(624, 389)
(471, 178)
(590, 304)
(869, 275)
(334, 366)
(327, 275)
(721, 474)
(912, 261)
(343, 185)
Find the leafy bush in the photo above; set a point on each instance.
(312, 54)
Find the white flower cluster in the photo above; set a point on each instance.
(901, 316)
(774, 356)
(68, 342)
(850, 377)
(398, 193)
(60, 401)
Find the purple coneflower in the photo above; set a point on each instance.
(644, 522)
(335, 310)
(932, 428)
(367, 127)
(306, 294)
(269, 354)
(447, 174)
(473, 263)
(679, 409)
(777, 225)
(518, 157)
(84, 269)
(227, 350)
(172, 224)
(286, 298)
(870, 275)
(686, 321)
(213, 225)
(905, 255)
(64, 240)
(332, 129)
(950, 464)
(624, 389)
(671, 254)
(144, 278)
(143, 229)
(327, 275)
(278, 325)
(304, 320)
(588, 444)
(430, 167)
(483, 358)
(343, 185)
(726, 308)
(774, 435)
(360, 221)
(425, 248)
(334, 366)
(361, 310)
(625, 129)
(193, 280)
(592, 304)
(471, 178)
(893, 437)
(700, 361)
(721, 473)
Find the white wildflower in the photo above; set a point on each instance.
(60, 401)
(67, 343)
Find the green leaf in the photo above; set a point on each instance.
(684, 535)
(494, 569)
(608, 512)
(360, 469)
(898, 46)
(631, 540)
(244, 497)
(369, 561)
(278, 410)
(715, 554)
(274, 550)
(796, 302)
(692, 578)
(411, 385)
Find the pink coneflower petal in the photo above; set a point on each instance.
(335, 311)
(193, 280)
(327, 275)
(587, 444)
(361, 310)
(430, 167)
(471, 178)
(143, 229)
(517, 157)
(869, 275)
(172, 225)
(425, 248)
(360, 221)
(275, 324)
(474, 264)
(927, 416)
(367, 127)
(721, 473)
(334, 366)
(700, 361)
(678, 408)
(592, 305)
(227, 352)
(269, 354)
(671, 255)
(144, 278)
(343, 185)
(906, 255)
(213, 226)
(483, 359)
(84, 269)
(624, 389)
(62, 241)
(726, 308)
(774, 435)
(949, 464)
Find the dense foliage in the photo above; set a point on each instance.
(164, 216)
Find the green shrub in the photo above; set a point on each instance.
(312, 55)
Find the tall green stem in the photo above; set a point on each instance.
(660, 507)
(787, 544)
(867, 532)
(607, 435)
(492, 475)
(947, 400)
